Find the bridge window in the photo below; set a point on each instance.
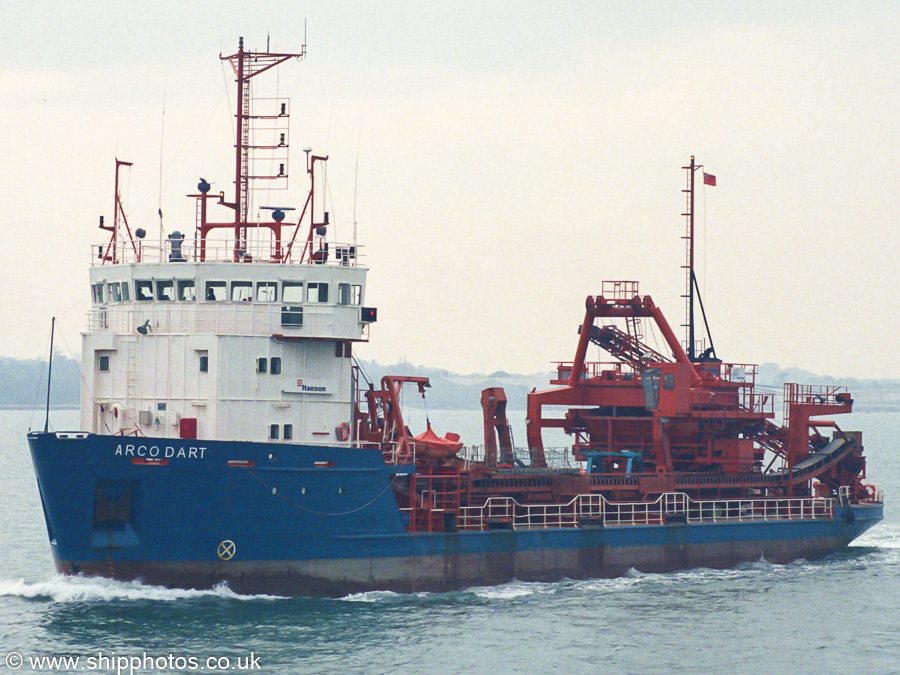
(143, 290)
(241, 291)
(125, 294)
(317, 292)
(186, 290)
(115, 292)
(292, 291)
(216, 291)
(349, 294)
(97, 293)
(165, 290)
(266, 291)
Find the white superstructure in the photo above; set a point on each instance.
(222, 350)
(244, 335)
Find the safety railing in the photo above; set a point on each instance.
(619, 290)
(874, 494)
(587, 510)
(555, 457)
(215, 251)
(826, 394)
(618, 371)
(741, 373)
(757, 403)
(396, 455)
(798, 508)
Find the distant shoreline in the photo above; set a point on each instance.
(69, 406)
(449, 391)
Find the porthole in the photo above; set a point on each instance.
(302, 491)
(274, 490)
(340, 490)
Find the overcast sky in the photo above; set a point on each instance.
(512, 156)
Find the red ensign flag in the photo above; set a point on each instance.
(709, 179)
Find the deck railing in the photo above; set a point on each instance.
(217, 251)
(596, 510)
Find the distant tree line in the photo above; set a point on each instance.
(23, 382)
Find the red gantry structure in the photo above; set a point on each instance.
(652, 422)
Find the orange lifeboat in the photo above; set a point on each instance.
(429, 444)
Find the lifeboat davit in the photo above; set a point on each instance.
(429, 444)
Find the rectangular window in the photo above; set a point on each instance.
(292, 316)
(204, 362)
(288, 431)
(241, 291)
(345, 254)
(650, 382)
(669, 381)
(103, 365)
(267, 291)
(261, 364)
(275, 365)
(186, 290)
(342, 350)
(97, 293)
(317, 292)
(273, 432)
(115, 292)
(216, 291)
(349, 294)
(143, 290)
(125, 294)
(165, 290)
(292, 291)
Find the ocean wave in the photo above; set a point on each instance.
(374, 596)
(82, 589)
(507, 591)
(514, 589)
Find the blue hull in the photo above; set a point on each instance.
(314, 520)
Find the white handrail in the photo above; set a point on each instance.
(589, 507)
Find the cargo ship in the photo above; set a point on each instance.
(228, 434)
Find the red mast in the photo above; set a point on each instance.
(248, 65)
(111, 253)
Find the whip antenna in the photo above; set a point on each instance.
(49, 375)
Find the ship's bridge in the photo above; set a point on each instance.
(311, 300)
(250, 350)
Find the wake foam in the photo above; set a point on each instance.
(373, 596)
(94, 589)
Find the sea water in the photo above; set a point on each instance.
(837, 615)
